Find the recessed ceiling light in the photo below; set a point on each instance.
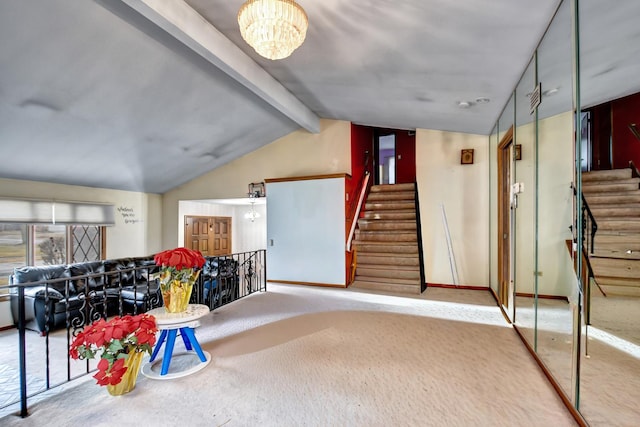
(551, 91)
(464, 104)
(482, 100)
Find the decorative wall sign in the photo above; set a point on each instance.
(466, 157)
(128, 215)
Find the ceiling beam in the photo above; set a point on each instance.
(181, 21)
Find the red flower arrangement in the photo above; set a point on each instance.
(177, 276)
(179, 258)
(116, 340)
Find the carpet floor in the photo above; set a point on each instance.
(299, 356)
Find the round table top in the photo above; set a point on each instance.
(193, 312)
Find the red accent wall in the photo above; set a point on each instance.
(626, 146)
(361, 141)
(405, 157)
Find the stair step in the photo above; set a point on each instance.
(613, 267)
(385, 236)
(412, 288)
(392, 205)
(619, 224)
(620, 253)
(391, 214)
(391, 195)
(385, 248)
(392, 187)
(606, 187)
(369, 224)
(388, 272)
(623, 209)
(617, 281)
(626, 291)
(605, 175)
(612, 198)
(388, 259)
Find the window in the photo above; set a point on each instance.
(13, 249)
(49, 244)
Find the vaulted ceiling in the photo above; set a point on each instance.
(145, 95)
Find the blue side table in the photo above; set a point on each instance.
(169, 325)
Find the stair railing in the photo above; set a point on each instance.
(364, 186)
(588, 222)
(423, 277)
(634, 170)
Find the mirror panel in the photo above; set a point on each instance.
(610, 102)
(493, 217)
(557, 294)
(524, 166)
(505, 214)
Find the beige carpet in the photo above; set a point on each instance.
(298, 356)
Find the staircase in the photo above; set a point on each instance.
(387, 241)
(614, 199)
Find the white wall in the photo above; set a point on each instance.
(306, 231)
(246, 235)
(298, 154)
(463, 190)
(137, 231)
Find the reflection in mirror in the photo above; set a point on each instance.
(557, 292)
(505, 213)
(610, 102)
(493, 217)
(524, 166)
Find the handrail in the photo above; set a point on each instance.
(354, 220)
(592, 220)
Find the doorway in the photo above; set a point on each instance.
(385, 158)
(211, 235)
(394, 156)
(506, 215)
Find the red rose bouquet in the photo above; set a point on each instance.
(177, 276)
(121, 343)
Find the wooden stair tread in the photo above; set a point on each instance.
(593, 183)
(602, 175)
(392, 188)
(395, 288)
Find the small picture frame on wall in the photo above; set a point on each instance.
(466, 157)
(518, 152)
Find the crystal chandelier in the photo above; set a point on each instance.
(274, 28)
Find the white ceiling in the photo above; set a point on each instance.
(96, 93)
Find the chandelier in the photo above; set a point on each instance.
(252, 215)
(274, 28)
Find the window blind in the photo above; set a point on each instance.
(32, 211)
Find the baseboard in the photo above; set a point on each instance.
(565, 399)
(324, 285)
(441, 285)
(556, 297)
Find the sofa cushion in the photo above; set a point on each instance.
(45, 272)
(94, 269)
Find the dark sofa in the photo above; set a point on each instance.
(81, 293)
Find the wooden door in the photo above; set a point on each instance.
(211, 235)
(221, 235)
(505, 221)
(197, 234)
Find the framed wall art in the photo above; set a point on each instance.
(466, 157)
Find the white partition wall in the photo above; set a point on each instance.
(306, 230)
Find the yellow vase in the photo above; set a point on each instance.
(176, 293)
(128, 382)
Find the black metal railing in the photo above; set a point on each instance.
(589, 224)
(423, 277)
(86, 298)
